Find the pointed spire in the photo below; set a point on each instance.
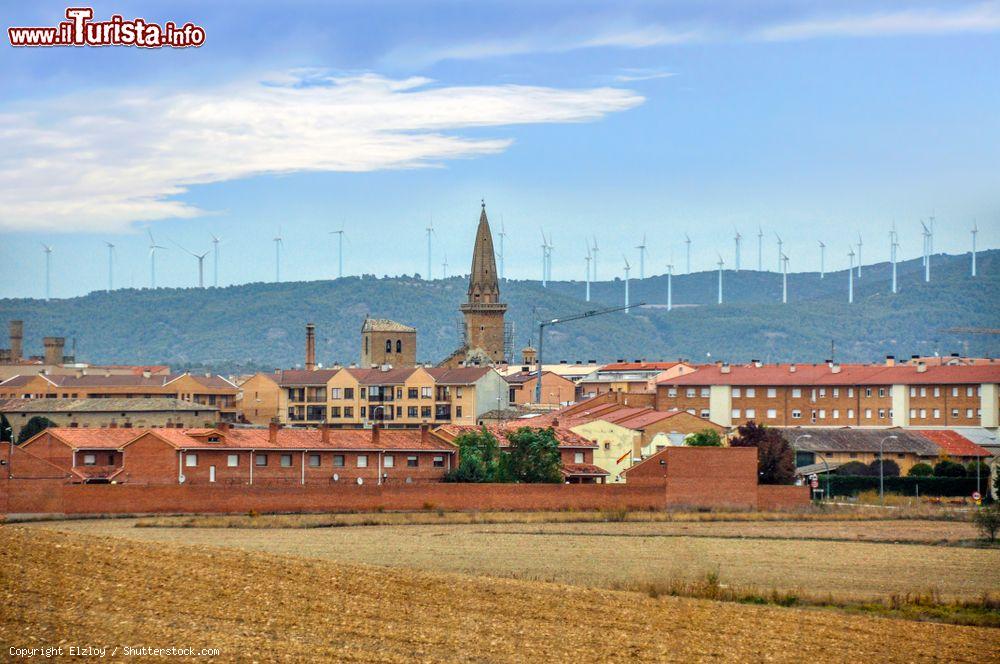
(484, 287)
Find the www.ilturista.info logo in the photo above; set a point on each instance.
(80, 30)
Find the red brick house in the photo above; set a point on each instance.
(230, 456)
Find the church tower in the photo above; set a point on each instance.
(483, 311)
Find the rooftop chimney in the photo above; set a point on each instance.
(324, 433)
(921, 367)
(890, 360)
(834, 368)
(425, 433)
(16, 339)
(54, 349)
(791, 368)
(310, 347)
(222, 426)
(272, 432)
(375, 431)
(725, 368)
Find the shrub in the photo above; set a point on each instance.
(949, 469)
(984, 471)
(987, 520)
(854, 468)
(921, 470)
(889, 468)
(704, 438)
(616, 514)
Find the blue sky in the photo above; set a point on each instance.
(813, 120)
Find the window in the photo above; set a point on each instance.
(771, 413)
(335, 392)
(954, 391)
(458, 411)
(751, 413)
(937, 391)
(751, 392)
(388, 461)
(425, 411)
(913, 391)
(772, 393)
(881, 413)
(260, 460)
(439, 462)
(705, 413)
(399, 411)
(90, 459)
(923, 412)
(399, 346)
(937, 413)
(868, 413)
(334, 412)
(968, 391)
(348, 411)
(191, 460)
(835, 414)
(736, 393)
(363, 390)
(822, 414)
(399, 393)
(850, 413)
(881, 391)
(913, 413)
(671, 391)
(578, 457)
(412, 393)
(706, 391)
(363, 409)
(968, 412)
(735, 414)
(850, 393)
(338, 460)
(690, 392)
(348, 392)
(868, 391)
(426, 392)
(314, 461)
(458, 392)
(388, 345)
(854, 455)
(954, 412)
(362, 461)
(822, 392)
(796, 393)
(796, 414)
(286, 460)
(836, 392)
(411, 462)
(233, 460)
(923, 391)
(411, 411)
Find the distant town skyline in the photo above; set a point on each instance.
(814, 121)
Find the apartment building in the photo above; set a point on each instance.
(392, 397)
(832, 394)
(556, 390)
(638, 376)
(202, 389)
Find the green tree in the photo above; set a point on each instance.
(775, 459)
(704, 438)
(34, 425)
(921, 470)
(533, 456)
(889, 468)
(6, 430)
(855, 468)
(949, 469)
(987, 520)
(984, 471)
(479, 458)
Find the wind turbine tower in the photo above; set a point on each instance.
(850, 278)
(201, 265)
(627, 269)
(48, 269)
(822, 260)
(545, 261)
(587, 258)
(152, 258)
(548, 261)
(975, 230)
(860, 243)
(594, 251)
(928, 235)
(277, 257)
(642, 257)
(784, 279)
(760, 248)
(444, 267)
(111, 270)
(893, 247)
(780, 253)
(687, 241)
(215, 261)
(430, 233)
(340, 252)
(737, 238)
(722, 264)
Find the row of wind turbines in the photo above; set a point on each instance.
(547, 248)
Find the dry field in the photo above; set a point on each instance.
(63, 588)
(783, 556)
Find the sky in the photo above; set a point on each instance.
(585, 121)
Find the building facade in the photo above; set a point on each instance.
(386, 342)
(100, 413)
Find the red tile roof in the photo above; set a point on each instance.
(303, 377)
(458, 375)
(583, 470)
(953, 443)
(822, 374)
(395, 376)
(89, 439)
(120, 380)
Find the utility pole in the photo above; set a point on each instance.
(556, 321)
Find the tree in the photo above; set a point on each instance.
(889, 468)
(855, 468)
(6, 430)
(949, 469)
(984, 471)
(704, 438)
(921, 470)
(987, 520)
(775, 459)
(533, 456)
(35, 425)
(479, 458)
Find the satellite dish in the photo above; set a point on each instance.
(409, 480)
(336, 477)
(182, 479)
(361, 480)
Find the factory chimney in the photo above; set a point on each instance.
(54, 350)
(310, 347)
(16, 340)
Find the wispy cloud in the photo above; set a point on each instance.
(631, 75)
(982, 17)
(103, 163)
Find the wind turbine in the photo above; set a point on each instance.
(215, 260)
(549, 258)
(588, 258)
(277, 257)
(594, 251)
(430, 232)
(928, 235)
(722, 264)
(111, 255)
(975, 230)
(340, 251)
(627, 269)
(444, 267)
(670, 287)
(822, 259)
(48, 272)
(642, 257)
(502, 234)
(780, 254)
(760, 248)
(737, 239)
(850, 278)
(545, 261)
(687, 241)
(784, 279)
(860, 244)
(893, 247)
(152, 258)
(201, 264)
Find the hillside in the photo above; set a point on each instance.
(260, 325)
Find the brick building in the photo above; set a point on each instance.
(98, 413)
(838, 395)
(556, 390)
(638, 376)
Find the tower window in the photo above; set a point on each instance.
(399, 345)
(388, 345)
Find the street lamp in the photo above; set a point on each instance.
(795, 450)
(827, 467)
(881, 464)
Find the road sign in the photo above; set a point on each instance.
(814, 483)
(976, 495)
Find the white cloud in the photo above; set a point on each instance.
(631, 75)
(102, 163)
(983, 17)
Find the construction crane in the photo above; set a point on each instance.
(566, 319)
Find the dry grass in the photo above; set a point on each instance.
(253, 606)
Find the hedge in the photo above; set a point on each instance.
(851, 485)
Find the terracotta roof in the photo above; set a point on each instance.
(52, 405)
(458, 375)
(645, 418)
(822, 374)
(639, 366)
(524, 376)
(953, 443)
(583, 470)
(395, 376)
(303, 377)
(90, 439)
(384, 325)
(120, 380)
(564, 436)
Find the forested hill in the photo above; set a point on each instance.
(261, 324)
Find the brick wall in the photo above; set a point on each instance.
(723, 477)
(772, 497)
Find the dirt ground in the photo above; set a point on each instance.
(65, 588)
(766, 556)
